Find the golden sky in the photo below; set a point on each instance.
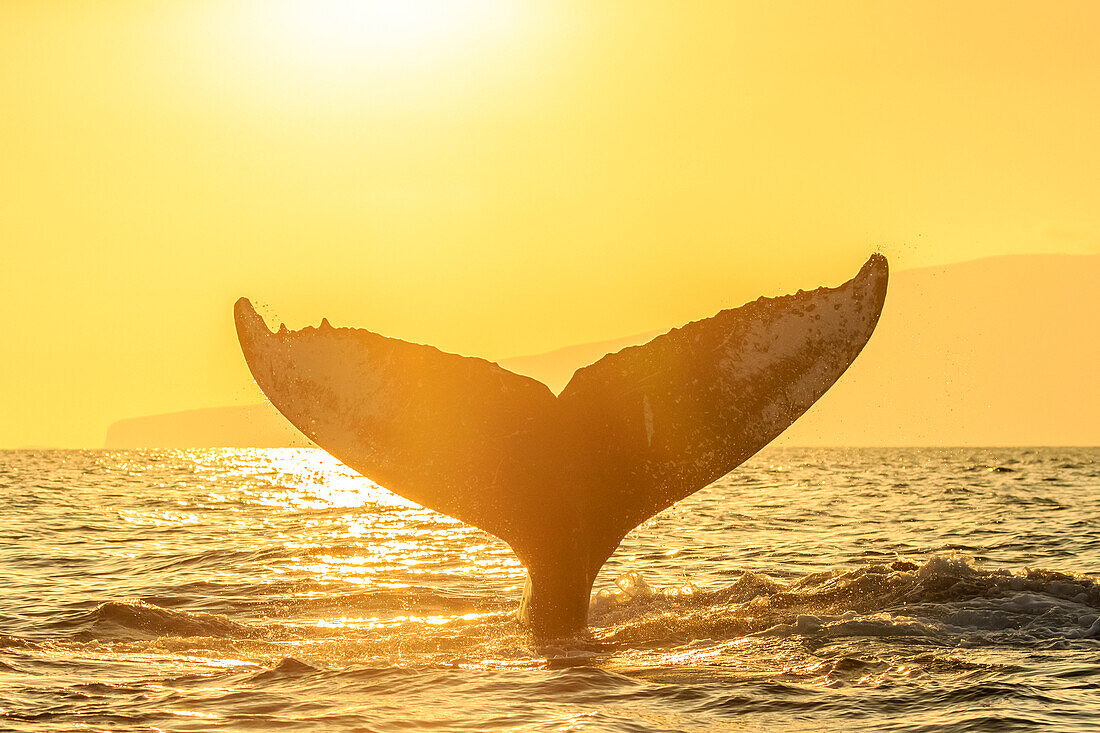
(497, 178)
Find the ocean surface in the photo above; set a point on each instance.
(810, 590)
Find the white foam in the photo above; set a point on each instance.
(946, 597)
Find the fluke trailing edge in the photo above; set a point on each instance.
(562, 479)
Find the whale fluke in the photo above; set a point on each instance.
(562, 479)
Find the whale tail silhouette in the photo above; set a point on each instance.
(562, 479)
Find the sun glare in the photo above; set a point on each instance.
(345, 53)
(382, 30)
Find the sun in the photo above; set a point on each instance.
(382, 31)
(335, 59)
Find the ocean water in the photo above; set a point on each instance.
(810, 590)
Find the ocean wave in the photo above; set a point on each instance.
(136, 619)
(946, 601)
(948, 598)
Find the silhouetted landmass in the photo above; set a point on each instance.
(246, 426)
(555, 368)
(999, 351)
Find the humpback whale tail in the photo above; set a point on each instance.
(562, 479)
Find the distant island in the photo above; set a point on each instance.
(1011, 361)
(243, 426)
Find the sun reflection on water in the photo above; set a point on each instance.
(349, 532)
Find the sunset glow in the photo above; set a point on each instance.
(352, 33)
(498, 178)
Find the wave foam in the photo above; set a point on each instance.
(947, 597)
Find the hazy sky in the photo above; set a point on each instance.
(497, 178)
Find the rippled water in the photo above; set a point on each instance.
(885, 589)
